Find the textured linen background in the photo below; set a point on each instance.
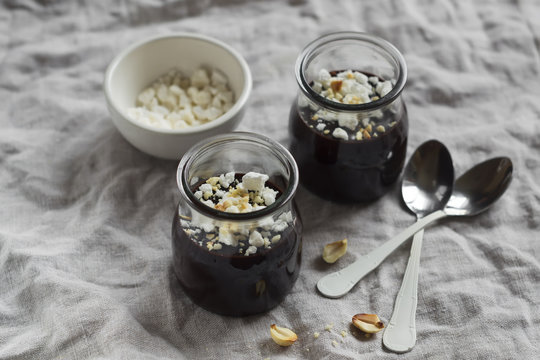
(85, 253)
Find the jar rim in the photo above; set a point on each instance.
(362, 37)
(279, 150)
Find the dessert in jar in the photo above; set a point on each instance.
(236, 234)
(349, 124)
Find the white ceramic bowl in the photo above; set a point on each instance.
(138, 66)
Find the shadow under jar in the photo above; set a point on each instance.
(237, 263)
(349, 141)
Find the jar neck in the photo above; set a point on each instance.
(254, 147)
(350, 45)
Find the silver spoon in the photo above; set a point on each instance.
(473, 193)
(426, 187)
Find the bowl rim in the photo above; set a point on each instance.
(229, 115)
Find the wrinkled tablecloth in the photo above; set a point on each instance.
(85, 218)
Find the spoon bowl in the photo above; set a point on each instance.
(480, 187)
(428, 178)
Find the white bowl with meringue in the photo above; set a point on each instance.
(169, 92)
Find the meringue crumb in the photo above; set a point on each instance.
(335, 343)
(177, 101)
(316, 334)
(329, 327)
(343, 333)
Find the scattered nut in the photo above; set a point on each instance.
(282, 336)
(275, 239)
(368, 323)
(213, 181)
(329, 327)
(366, 135)
(316, 335)
(333, 251)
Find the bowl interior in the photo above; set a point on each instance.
(142, 64)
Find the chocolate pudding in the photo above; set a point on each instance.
(348, 161)
(231, 269)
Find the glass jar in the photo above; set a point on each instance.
(212, 258)
(361, 165)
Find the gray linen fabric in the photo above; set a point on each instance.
(85, 253)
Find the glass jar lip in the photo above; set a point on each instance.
(363, 37)
(189, 196)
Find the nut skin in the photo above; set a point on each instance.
(368, 323)
(333, 251)
(336, 85)
(282, 336)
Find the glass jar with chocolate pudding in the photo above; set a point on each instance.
(237, 234)
(349, 123)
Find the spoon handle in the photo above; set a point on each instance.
(400, 334)
(339, 283)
